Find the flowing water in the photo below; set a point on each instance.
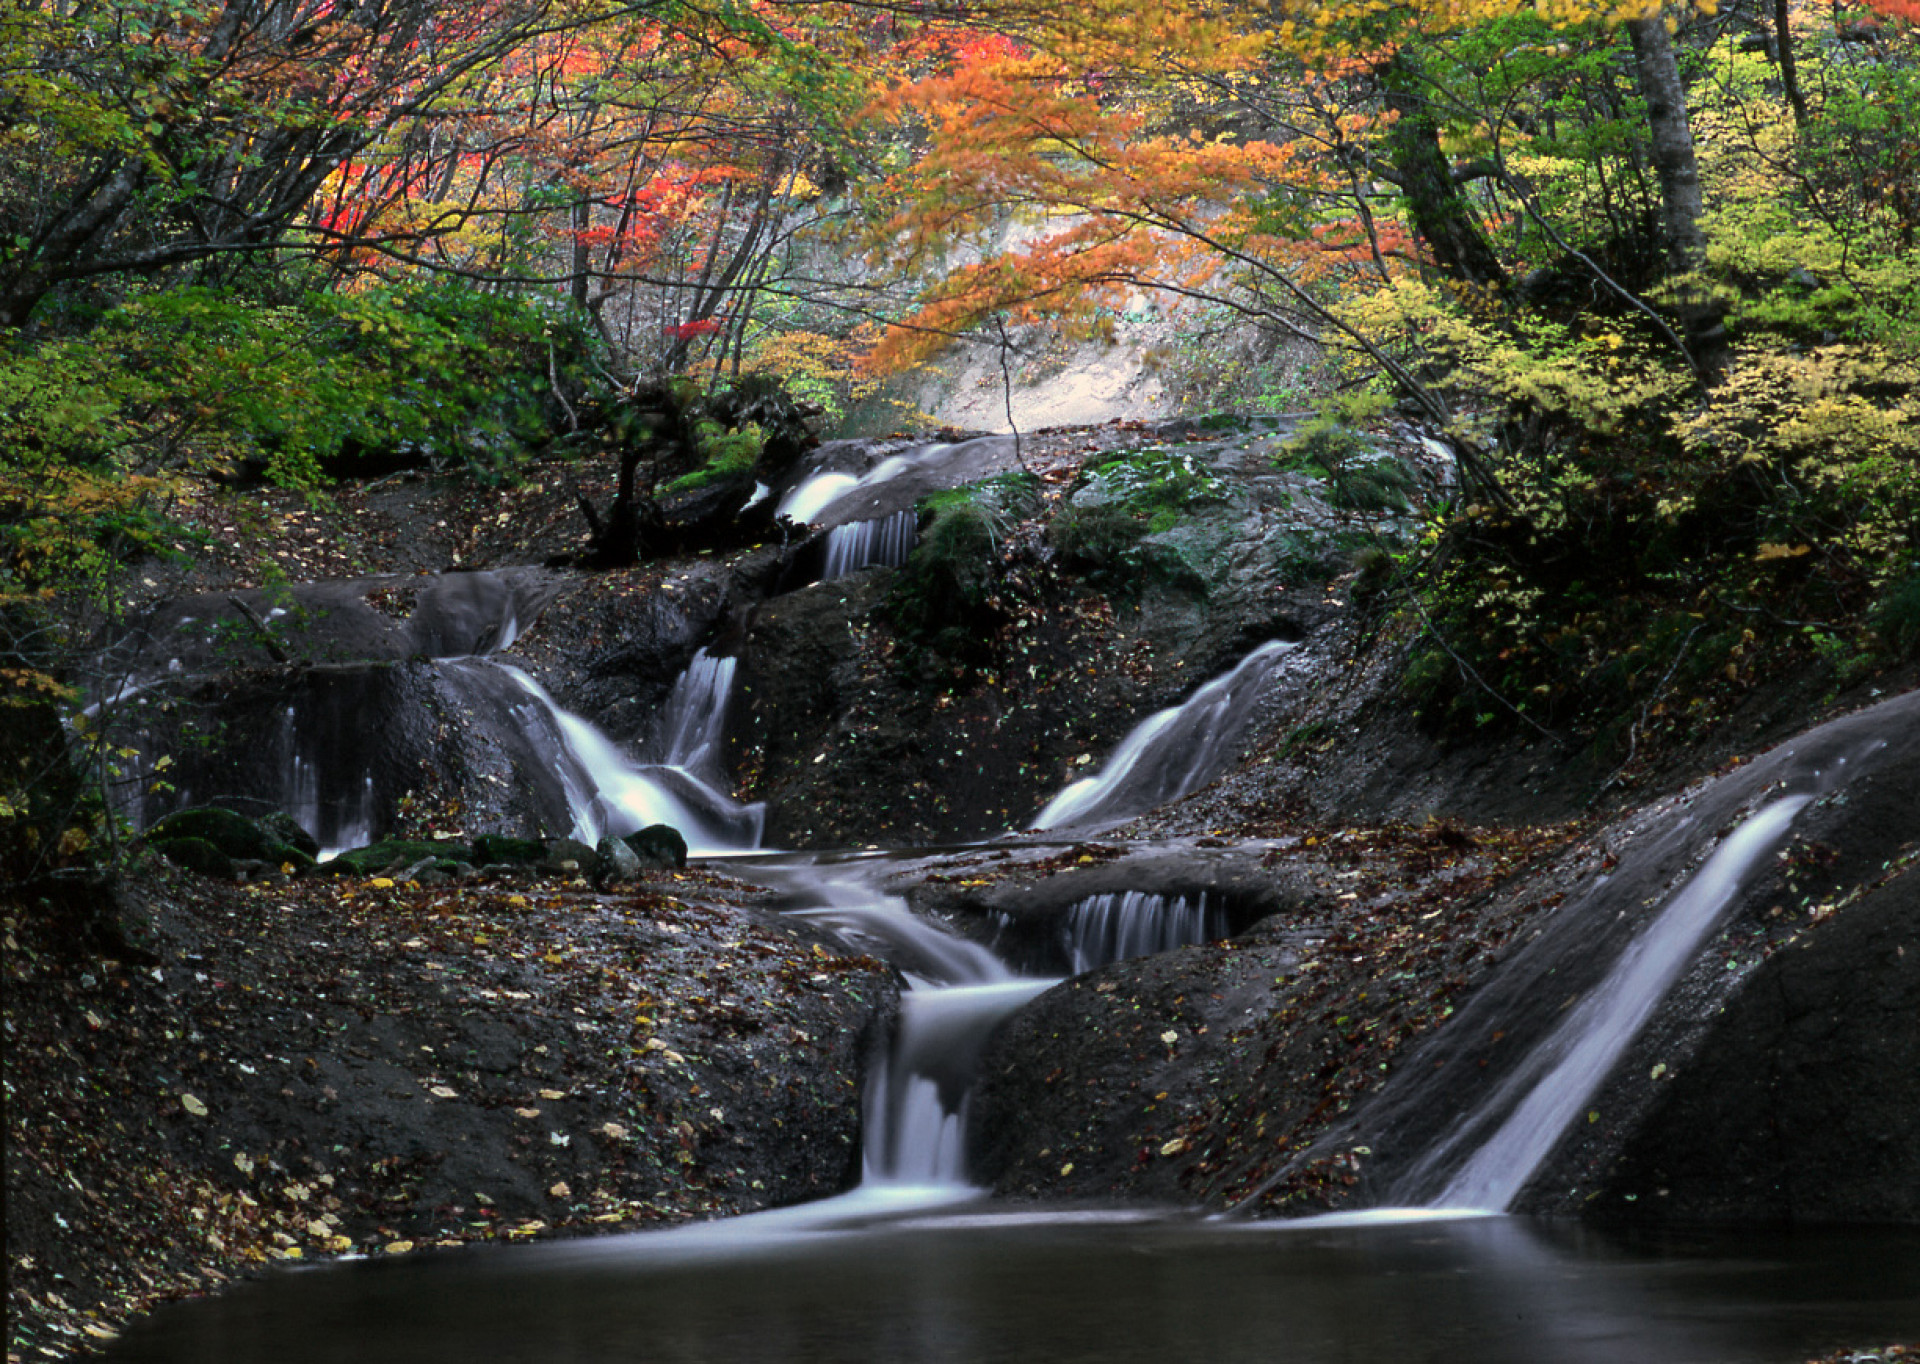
(1170, 753)
(1563, 1072)
(884, 542)
(915, 1265)
(608, 794)
(915, 1107)
(1121, 925)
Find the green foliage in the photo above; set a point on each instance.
(1005, 499)
(1895, 617)
(945, 600)
(97, 430)
(1359, 475)
(1120, 502)
(725, 454)
(1151, 482)
(1098, 539)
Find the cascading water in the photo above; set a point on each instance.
(813, 496)
(1562, 1073)
(884, 542)
(957, 992)
(1170, 753)
(688, 731)
(607, 795)
(1121, 925)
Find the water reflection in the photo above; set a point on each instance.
(831, 1284)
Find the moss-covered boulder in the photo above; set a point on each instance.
(491, 850)
(276, 841)
(398, 854)
(195, 854)
(289, 831)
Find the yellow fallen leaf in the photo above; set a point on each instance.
(560, 1190)
(398, 1247)
(526, 1112)
(382, 883)
(613, 1131)
(443, 1092)
(553, 1093)
(1175, 1147)
(193, 1105)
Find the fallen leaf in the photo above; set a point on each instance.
(1175, 1147)
(193, 1105)
(398, 1247)
(553, 1093)
(560, 1190)
(526, 1112)
(443, 1092)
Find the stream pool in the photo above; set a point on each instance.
(857, 1280)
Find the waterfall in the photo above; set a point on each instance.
(915, 1104)
(884, 542)
(607, 794)
(1124, 924)
(812, 497)
(1555, 1082)
(815, 494)
(692, 722)
(1170, 753)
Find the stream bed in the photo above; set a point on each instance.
(850, 1280)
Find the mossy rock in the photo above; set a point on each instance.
(495, 849)
(566, 855)
(196, 855)
(291, 832)
(390, 854)
(659, 846)
(233, 835)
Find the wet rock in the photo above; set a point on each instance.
(614, 862)
(658, 847)
(289, 831)
(1726, 1062)
(566, 856)
(1802, 1103)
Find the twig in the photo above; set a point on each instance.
(1006, 386)
(267, 641)
(1633, 730)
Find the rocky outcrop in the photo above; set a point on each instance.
(1353, 1049)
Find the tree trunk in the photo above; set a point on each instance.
(1789, 63)
(1441, 214)
(582, 272)
(1681, 203)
